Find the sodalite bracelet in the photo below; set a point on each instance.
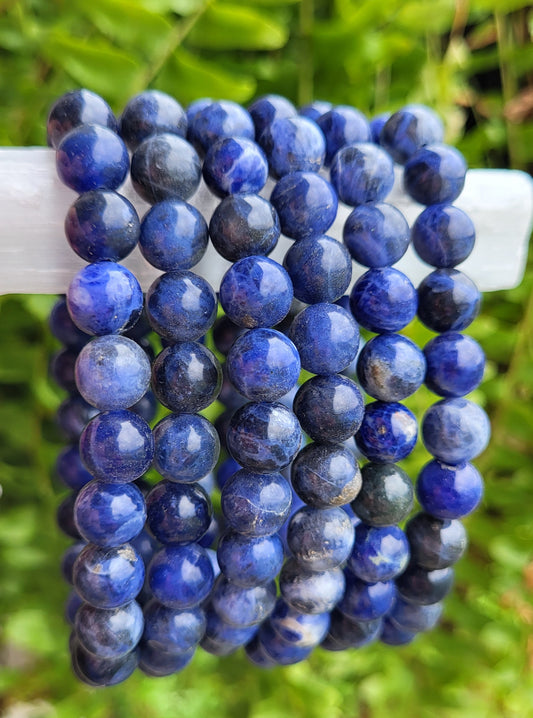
(148, 587)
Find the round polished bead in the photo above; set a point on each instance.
(186, 447)
(320, 269)
(102, 225)
(96, 671)
(320, 539)
(178, 513)
(249, 561)
(435, 174)
(221, 638)
(233, 165)
(443, 235)
(112, 372)
(219, 119)
(386, 495)
(181, 576)
(311, 591)
(186, 377)
(345, 633)
(157, 664)
(64, 329)
(325, 475)
(242, 607)
(423, 587)
(92, 157)
(61, 369)
(173, 235)
(390, 367)
(366, 601)
(376, 235)
(117, 446)
(149, 113)
(255, 292)
(70, 468)
(306, 204)
(165, 167)
(449, 492)
(413, 617)
(383, 300)
(108, 577)
(293, 144)
(299, 629)
(377, 123)
(448, 300)
(379, 553)
(171, 630)
(388, 432)
(109, 633)
(264, 436)
(435, 543)
(409, 129)
(343, 125)
(257, 655)
(362, 173)
(263, 364)
(329, 408)
(256, 504)
(268, 108)
(194, 108)
(78, 107)
(455, 430)
(73, 415)
(279, 649)
(392, 635)
(455, 364)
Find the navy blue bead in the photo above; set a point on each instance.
(186, 377)
(102, 225)
(280, 650)
(243, 607)
(173, 235)
(186, 447)
(233, 165)
(449, 492)
(320, 539)
(268, 108)
(78, 107)
(376, 125)
(455, 364)
(455, 430)
(108, 577)
(343, 125)
(96, 671)
(194, 108)
(327, 338)
(219, 119)
(63, 328)
(329, 408)
(92, 157)
(73, 415)
(376, 235)
(181, 576)
(104, 298)
(388, 432)
(315, 109)
(443, 235)
(165, 167)
(255, 292)
(299, 629)
(391, 635)
(70, 468)
(243, 225)
(256, 504)
(325, 475)
(117, 446)
(221, 638)
(109, 633)
(345, 633)
(65, 517)
(293, 144)
(149, 113)
(157, 664)
(366, 601)
(306, 204)
(423, 587)
(383, 300)
(178, 513)
(263, 364)
(413, 618)
(61, 369)
(379, 553)
(448, 300)
(435, 174)
(362, 173)
(311, 591)
(435, 543)
(386, 496)
(249, 561)
(390, 367)
(68, 559)
(109, 514)
(112, 372)
(257, 655)
(409, 129)
(171, 630)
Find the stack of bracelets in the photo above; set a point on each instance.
(309, 551)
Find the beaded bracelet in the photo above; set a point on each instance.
(351, 574)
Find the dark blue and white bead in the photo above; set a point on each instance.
(181, 576)
(78, 107)
(178, 513)
(388, 432)
(455, 430)
(386, 495)
(325, 475)
(435, 174)
(233, 165)
(187, 447)
(343, 125)
(379, 553)
(409, 129)
(293, 144)
(455, 364)
(320, 539)
(376, 235)
(443, 235)
(306, 204)
(149, 113)
(449, 492)
(435, 542)
(109, 632)
(311, 591)
(249, 561)
(362, 173)
(448, 300)
(383, 300)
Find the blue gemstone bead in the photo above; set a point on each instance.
(386, 496)
(92, 157)
(233, 165)
(343, 125)
(65, 517)
(455, 364)
(376, 235)
(362, 173)
(112, 372)
(181, 576)
(256, 504)
(325, 475)
(186, 447)
(413, 618)
(68, 559)
(73, 415)
(255, 292)
(219, 119)
(186, 377)
(409, 129)
(145, 545)
(293, 144)
(249, 561)
(257, 655)
(449, 492)
(391, 635)
(455, 430)
(109, 633)
(222, 638)
(173, 235)
(70, 468)
(157, 664)
(443, 235)
(376, 125)
(315, 109)
(390, 367)
(268, 108)
(388, 432)
(448, 300)
(194, 108)
(149, 113)
(225, 470)
(64, 329)
(178, 513)
(423, 587)
(379, 553)
(383, 300)
(345, 633)
(165, 167)
(311, 591)
(299, 629)
(306, 204)
(365, 601)
(171, 630)
(117, 446)
(96, 671)
(241, 607)
(283, 652)
(108, 577)
(104, 298)
(320, 539)
(329, 408)
(435, 174)
(72, 604)
(109, 514)
(102, 225)
(435, 543)
(78, 107)
(263, 364)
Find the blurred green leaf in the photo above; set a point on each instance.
(237, 27)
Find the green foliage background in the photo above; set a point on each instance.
(471, 60)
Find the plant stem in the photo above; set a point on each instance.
(509, 86)
(306, 68)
